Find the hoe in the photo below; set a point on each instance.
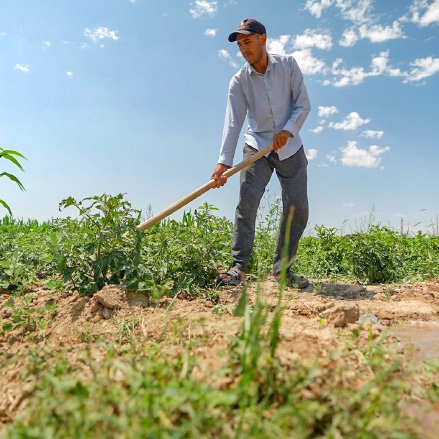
(201, 190)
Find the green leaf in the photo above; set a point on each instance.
(70, 201)
(79, 390)
(27, 299)
(8, 326)
(52, 284)
(12, 159)
(242, 304)
(13, 178)
(5, 205)
(11, 152)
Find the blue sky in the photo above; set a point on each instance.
(129, 96)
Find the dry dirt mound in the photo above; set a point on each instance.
(313, 322)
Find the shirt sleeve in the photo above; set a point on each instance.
(301, 104)
(236, 112)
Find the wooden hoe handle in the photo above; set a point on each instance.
(201, 190)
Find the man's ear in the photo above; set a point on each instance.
(264, 39)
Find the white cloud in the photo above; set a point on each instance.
(309, 65)
(203, 7)
(285, 44)
(225, 56)
(372, 134)
(47, 44)
(327, 111)
(379, 64)
(101, 33)
(348, 38)
(22, 68)
(69, 74)
(352, 76)
(316, 7)
(311, 154)
(357, 11)
(210, 32)
(351, 122)
(278, 45)
(317, 130)
(356, 75)
(2, 34)
(422, 68)
(331, 158)
(362, 158)
(347, 205)
(378, 34)
(312, 38)
(424, 13)
(374, 33)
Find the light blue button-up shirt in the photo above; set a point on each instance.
(274, 101)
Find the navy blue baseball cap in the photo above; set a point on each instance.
(248, 26)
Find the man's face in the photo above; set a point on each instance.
(252, 47)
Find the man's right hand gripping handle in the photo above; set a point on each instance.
(218, 176)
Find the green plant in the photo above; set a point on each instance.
(261, 261)
(102, 246)
(10, 155)
(26, 254)
(25, 316)
(375, 257)
(127, 328)
(138, 387)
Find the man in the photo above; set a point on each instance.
(269, 91)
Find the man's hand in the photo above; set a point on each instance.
(280, 139)
(218, 176)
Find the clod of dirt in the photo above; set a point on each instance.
(341, 315)
(112, 297)
(137, 298)
(106, 313)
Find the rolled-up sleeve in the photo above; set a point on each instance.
(300, 101)
(236, 112)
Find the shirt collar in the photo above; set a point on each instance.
(271, 60)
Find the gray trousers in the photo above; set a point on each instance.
(292, 174)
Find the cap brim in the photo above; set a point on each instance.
(233, 35)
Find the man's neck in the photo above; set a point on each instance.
(262, 65)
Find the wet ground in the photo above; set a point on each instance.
(422, 336)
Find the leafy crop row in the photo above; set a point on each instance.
(103, 246)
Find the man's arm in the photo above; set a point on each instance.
(301, 104)
(236, 112)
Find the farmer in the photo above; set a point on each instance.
(269, 90)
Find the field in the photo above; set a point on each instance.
(110, 332)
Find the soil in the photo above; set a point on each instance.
(314, 321)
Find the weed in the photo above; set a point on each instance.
(142, 388)
(25, 316)
(127, 328)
